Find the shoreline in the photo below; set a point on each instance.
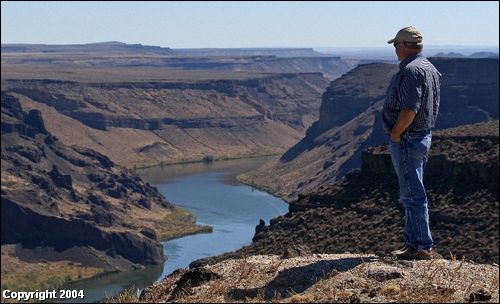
(181, 162)
(181, 222)
(59, 274)
(198, 230)
(242, 179)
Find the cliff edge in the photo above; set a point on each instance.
(327, 278)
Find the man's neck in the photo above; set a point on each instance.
(409, 58)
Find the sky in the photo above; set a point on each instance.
(178, 24)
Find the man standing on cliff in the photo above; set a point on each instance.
(409, 114)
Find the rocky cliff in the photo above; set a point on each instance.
(350, 121)
(361, 212)
(73, 200)
(331, 67)
(140, 123)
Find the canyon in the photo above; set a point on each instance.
(350, 121)
(76, 119)
(151, 122)
(73, 117)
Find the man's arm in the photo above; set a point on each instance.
(405, 118)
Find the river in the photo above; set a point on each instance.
(212, 193)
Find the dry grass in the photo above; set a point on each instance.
(440, 282)
(244, 269)
(127, 296)
(302, 298)
(434, 281)
(390, 290)
(18, 275)
(218, 288)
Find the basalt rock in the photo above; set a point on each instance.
(193, 278)
(60, 180)
(150, 233)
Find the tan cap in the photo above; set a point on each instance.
(407, 34)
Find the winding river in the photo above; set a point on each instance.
(212, 193)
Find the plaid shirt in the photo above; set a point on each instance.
(416, 87)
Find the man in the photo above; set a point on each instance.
(409, 113)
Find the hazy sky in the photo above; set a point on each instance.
(249, 24)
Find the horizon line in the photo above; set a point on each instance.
(248, 47)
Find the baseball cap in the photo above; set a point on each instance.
(407, 34)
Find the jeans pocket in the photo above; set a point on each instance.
(418, 147)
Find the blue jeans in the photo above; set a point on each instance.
(409, 158)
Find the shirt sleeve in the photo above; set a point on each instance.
(411, 90)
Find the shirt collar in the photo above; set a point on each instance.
(409, 59)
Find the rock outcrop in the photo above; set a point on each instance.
(64, 197)
(350, 121)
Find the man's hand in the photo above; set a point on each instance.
(405, 118)
(395, 137)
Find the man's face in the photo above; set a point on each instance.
(402, 51)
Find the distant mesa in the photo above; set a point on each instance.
(473, 55)
(117, 46)
(99, 47)
(107, 43)
(484, 55)
(449, 55)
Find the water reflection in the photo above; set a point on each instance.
(170, 173)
